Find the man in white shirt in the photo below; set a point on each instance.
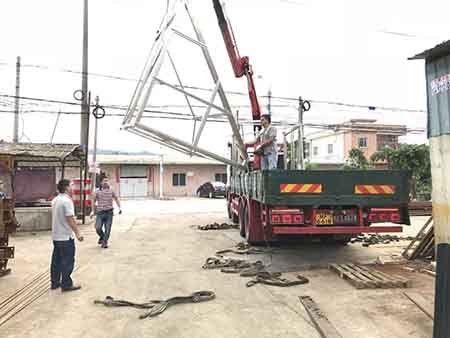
(2, 193)
(266, 142)
(63, 227)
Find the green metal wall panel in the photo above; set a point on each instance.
(438, 96)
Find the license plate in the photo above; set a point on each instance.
(324, 219)
(345, 219)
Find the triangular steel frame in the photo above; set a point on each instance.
(149, 77)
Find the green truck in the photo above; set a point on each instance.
(335, 205)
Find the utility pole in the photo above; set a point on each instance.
(85, 102)
(84, 135)
(17, 103)
(94, 149)
(300, 135)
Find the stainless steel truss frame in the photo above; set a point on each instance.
(149, 77)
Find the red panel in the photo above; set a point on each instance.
(333, 230)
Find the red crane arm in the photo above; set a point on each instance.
(241, 65)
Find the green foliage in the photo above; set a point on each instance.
(412, 157)
(356, 160)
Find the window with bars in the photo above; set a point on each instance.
(362, 142)
(178, 180)
(390, 141)
(330, 148)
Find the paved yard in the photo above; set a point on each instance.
(155, 253)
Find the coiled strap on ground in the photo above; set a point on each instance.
(158, 306)
(275, 279)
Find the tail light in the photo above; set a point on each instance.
(286, 219)
(287, 216)
(395, 217)
(276, 219)
(378, 215)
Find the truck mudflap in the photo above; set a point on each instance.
(313, 230)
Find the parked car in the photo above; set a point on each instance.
(211, 189)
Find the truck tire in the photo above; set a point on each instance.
(335, 239)
(234, 218)
(342, 240)
(243, 221)
(229, 212)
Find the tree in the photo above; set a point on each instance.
(356, 160)
(412, 157)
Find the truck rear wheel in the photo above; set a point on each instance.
(335, 239)
(234, 218)
(243, 221)
(229, 212)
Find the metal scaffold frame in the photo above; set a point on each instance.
(150, 76)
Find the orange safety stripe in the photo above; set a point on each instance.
(309, 188)
(369, 189)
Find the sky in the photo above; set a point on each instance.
(341, 51)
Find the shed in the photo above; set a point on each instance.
(29, 169)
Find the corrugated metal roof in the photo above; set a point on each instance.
(150, 159)
(437, 51)
(42, 150)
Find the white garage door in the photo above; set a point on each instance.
(133, 181)
(133, 187)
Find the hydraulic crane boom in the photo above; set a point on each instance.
(241, 65)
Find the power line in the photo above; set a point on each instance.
(160, 114)
(283, 98)
(247, 122)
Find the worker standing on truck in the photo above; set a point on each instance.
(266, 144)
(103, 208)
(63, 227)
(2, 193)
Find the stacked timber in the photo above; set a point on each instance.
(8, 225)
(422, 246)
(420, 208)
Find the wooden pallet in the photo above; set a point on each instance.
(363, 277)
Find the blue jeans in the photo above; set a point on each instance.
(63, 261)
(269, 161)
(104, 220)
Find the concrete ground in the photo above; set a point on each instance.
(156, 252)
